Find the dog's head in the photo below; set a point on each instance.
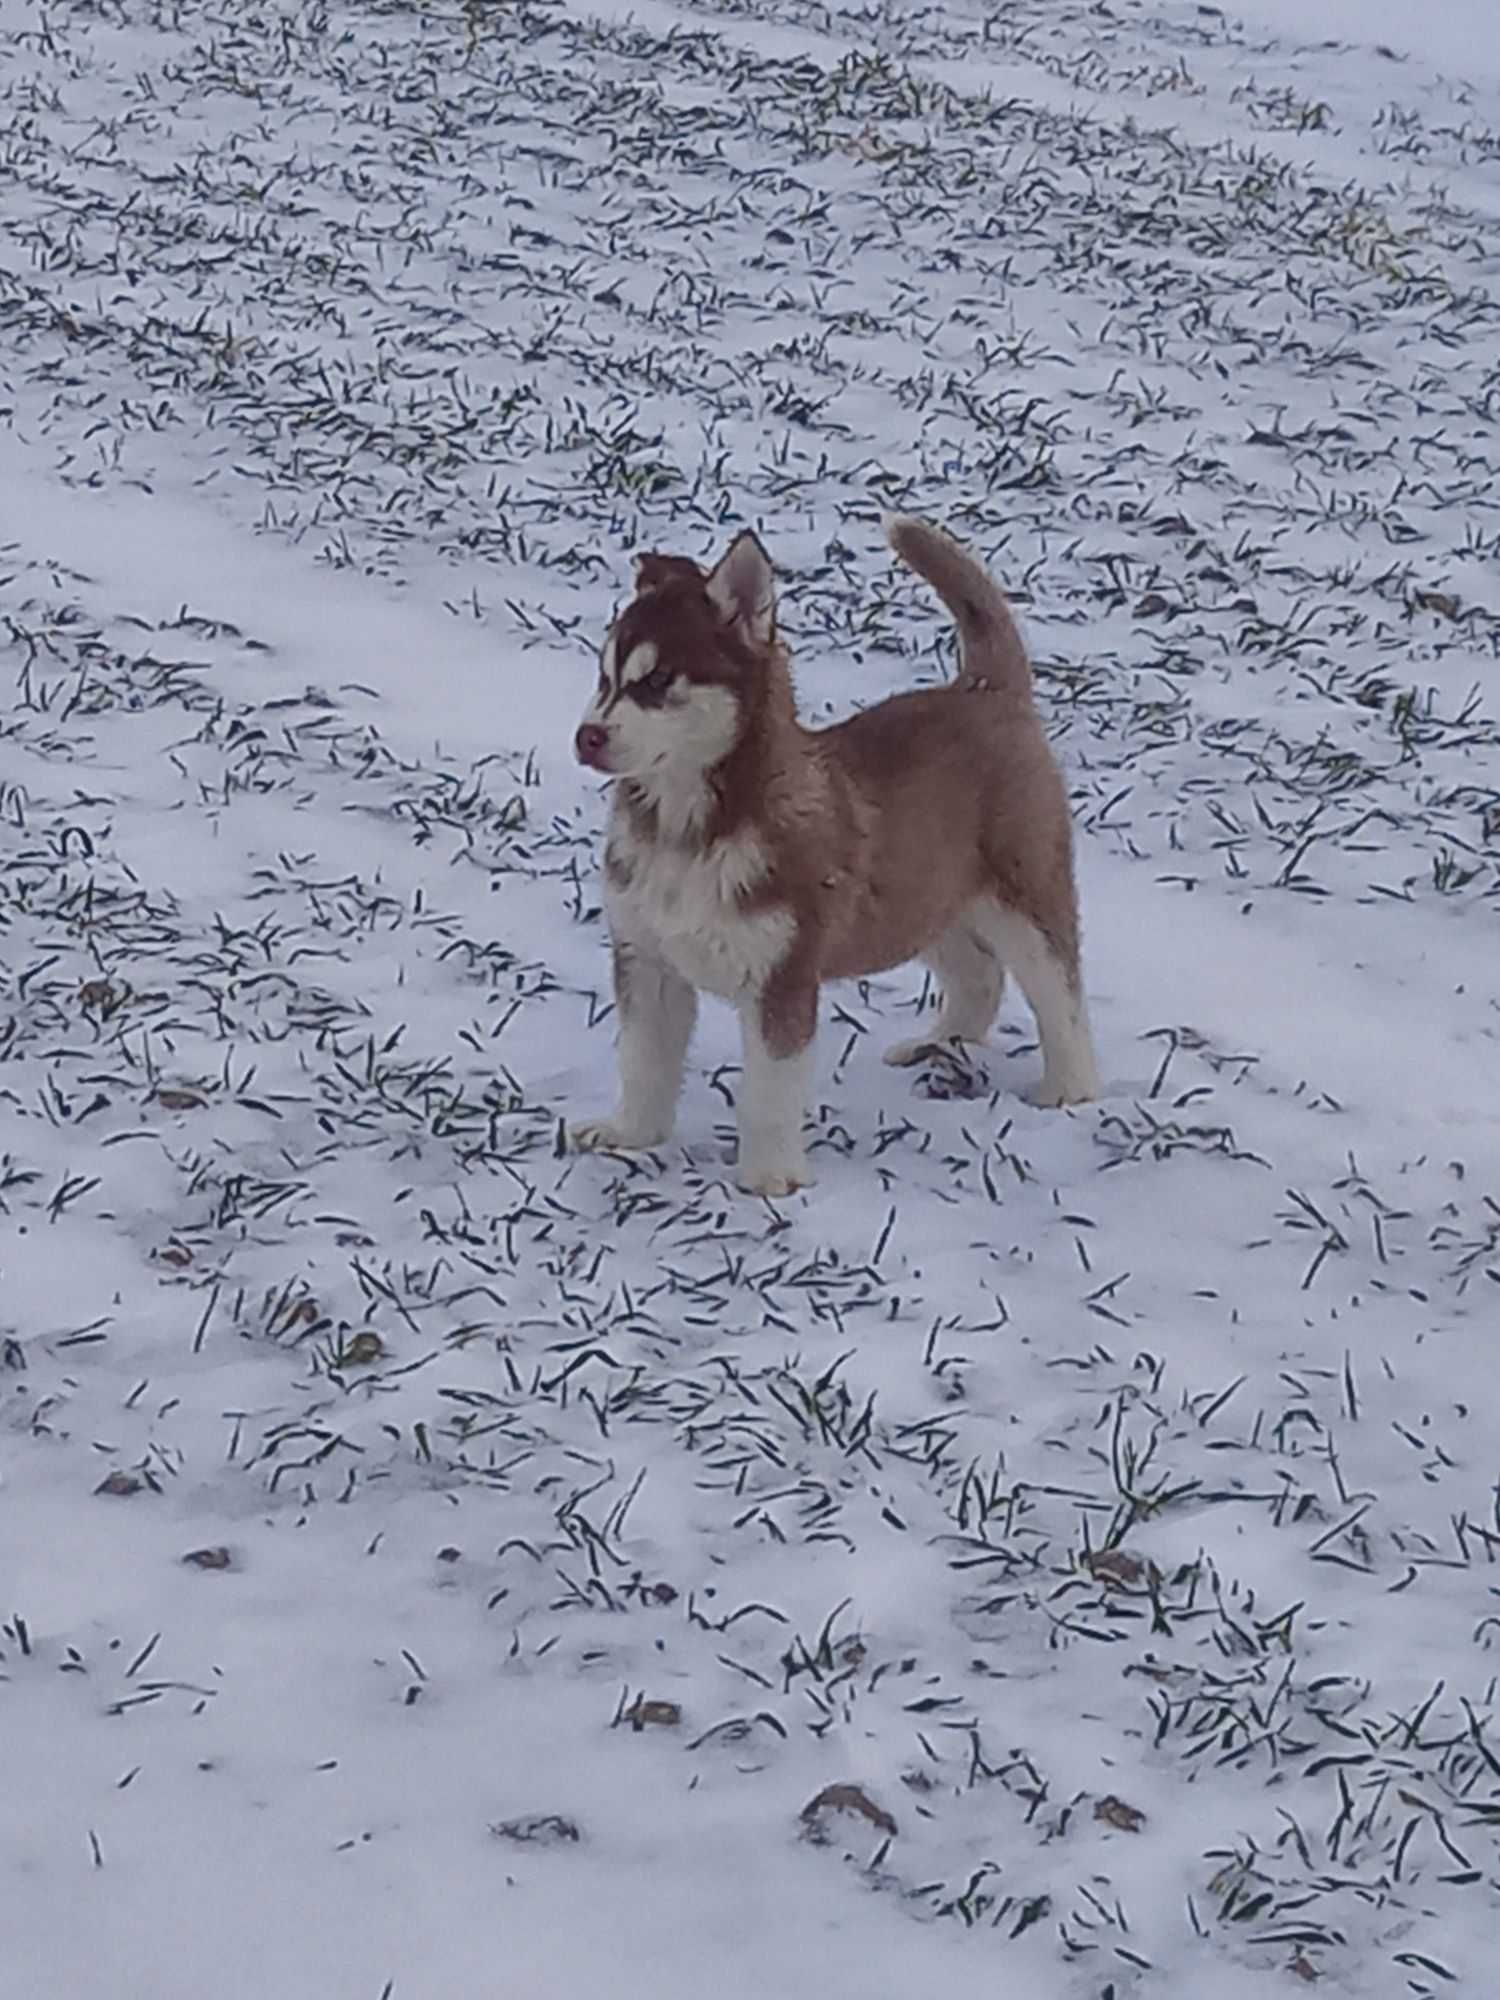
(679, 668)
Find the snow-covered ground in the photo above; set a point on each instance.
(429, 1564)
(1457, 37)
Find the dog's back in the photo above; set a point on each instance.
(964, 798)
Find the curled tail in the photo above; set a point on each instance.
(991, 651)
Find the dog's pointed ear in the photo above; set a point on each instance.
(742, 588)
(652, 571)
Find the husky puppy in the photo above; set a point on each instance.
(752, 858)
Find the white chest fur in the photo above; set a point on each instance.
(685, 906)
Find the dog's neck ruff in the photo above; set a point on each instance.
(675, 815)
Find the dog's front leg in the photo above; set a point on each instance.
(779, 1028)
(656, 1009)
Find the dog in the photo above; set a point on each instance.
(752, 858)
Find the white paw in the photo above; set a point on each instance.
(614, 1135)
(1052, 1095)
(901, 1055)
(775, 1179)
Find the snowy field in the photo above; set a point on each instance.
(1058, 1556)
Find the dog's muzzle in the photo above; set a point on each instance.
(591, 746)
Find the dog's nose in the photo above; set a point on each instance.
(590, 743)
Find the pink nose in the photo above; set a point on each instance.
(590, 743)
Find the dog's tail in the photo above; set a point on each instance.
(992, 652)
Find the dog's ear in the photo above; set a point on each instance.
(742, 588)
(652, 571)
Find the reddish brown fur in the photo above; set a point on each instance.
(880, 831)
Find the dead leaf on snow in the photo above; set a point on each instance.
(102, 996)
(1114, 1812)
(661, 1714)
(121, 1484)
(845, 1798)
(1117, 1566)
(361, 1350)
(1441, 601)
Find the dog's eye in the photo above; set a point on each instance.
(653, 686)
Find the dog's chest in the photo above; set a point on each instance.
(687, 906)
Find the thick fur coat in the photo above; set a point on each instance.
(752, 858)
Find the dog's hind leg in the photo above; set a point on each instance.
(972, 976)
(1054, 993)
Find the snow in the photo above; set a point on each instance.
(1110, 1497)
(1459, 37)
